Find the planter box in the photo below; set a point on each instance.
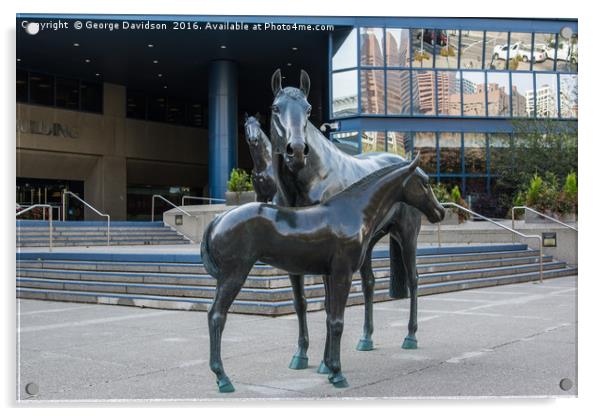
(532, 218)
(239, 198)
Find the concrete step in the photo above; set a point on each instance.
(279, 307)
(130, 242)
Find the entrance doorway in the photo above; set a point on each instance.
(31, 191)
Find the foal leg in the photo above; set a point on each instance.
(365, 343)
(300, 360)
(228, 287)
(323, 369)
(338, 291)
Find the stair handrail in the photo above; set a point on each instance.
(476, 214)
(65, 193)
(49, 219)
(526, 208)
(202, 198)
(169, 202)
(58, 209)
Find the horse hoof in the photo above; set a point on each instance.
(225, 386)
(322, 369)
(298, 363)
(339, 381)
(410, 343)
(365, 345)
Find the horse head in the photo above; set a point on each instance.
(252, 129)
(290, 114)
(419, 194)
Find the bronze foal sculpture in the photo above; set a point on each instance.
(331, 239)
(261, 153)
(308, 169)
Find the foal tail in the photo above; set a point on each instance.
(399, 280)
(208, 261)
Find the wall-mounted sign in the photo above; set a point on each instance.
(549, 239)
(179, 220)
(46, 128)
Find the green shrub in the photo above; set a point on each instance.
(568, 198)
(240, 181)
(447, 51)
(420, 56)
(440, 192)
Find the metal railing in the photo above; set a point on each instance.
(526, 208)
(49, 219)
(65, 193)
(201, 198)
(514, 232)
(57, 207)
(169, 202)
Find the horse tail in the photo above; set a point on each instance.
(208, 261)
(399, 279)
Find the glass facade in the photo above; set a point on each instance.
(164, 109)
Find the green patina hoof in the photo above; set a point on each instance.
(225, 386)
(339, 381)
(365, 345)
(322, 369)
(410, 343)
(298, 363)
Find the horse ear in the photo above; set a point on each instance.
(304, 83)
(414, 163)
(276, 82)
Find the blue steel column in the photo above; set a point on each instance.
(223, 125)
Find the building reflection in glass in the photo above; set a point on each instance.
(498, 94)
(522, 95)
(344, 93)
(372, 46)
(398, 47)
(567, 54)
(447, 48)
(450, 152)
(373, 141)
(473, 88)
(398, 92)
(398, 142)
(546, 44)
(449, 95)
(344, 45)
(471, 49)
(426, 143)
(347, 141)
(499, 152)
(546, 92)
(373, 91)
(475, 153)
(423, 46)
(423, 95)
(496, 50)
(568, 96)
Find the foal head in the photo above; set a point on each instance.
(419, 194)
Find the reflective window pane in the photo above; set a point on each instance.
(449, 96)
(194, 115)
(344, 46)
(423, 85)
(373, 91)
(450, 147)
(520, 55)
(568, 96)
(398, 47)
(496, 50)
(136, 104)
(398, 142)
(91, 96)
(423, 46)
(156, 108)
(175, 111)
(425, 143)
(522, 95)
(21, 85)
(344, 93)
(546, 93)
(67, 93)
(347, 141)
(567, 54)
(475, 187)
(372, 46)
(475, 153)
(473, 88)
(545, 43)
(447, 48)
(471, 49)
(41, 89)
(398, 92)
(499, 152)
(498, 94)
(373, 141)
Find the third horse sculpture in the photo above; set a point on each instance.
(329, 239)
(261, 153)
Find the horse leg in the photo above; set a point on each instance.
(300, 360)
(338, 291)
(228, 287)
(365, 343)
(323, 369)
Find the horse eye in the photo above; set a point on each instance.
(275, 109)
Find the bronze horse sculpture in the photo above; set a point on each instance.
(308, 169)
(261, 153)
(331, 239)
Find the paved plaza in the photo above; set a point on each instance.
(514, 340)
